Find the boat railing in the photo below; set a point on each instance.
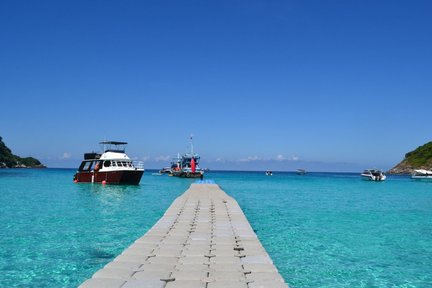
(138, 164)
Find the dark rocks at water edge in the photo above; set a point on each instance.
(9, 160)
(420, 158)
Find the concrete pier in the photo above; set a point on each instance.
(203, 240)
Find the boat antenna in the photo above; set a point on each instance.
(191, 144)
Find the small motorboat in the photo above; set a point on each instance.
(269, 173)
(422, 174)
(112, 166)
(373, 175)
(301, 172)
(165, 170)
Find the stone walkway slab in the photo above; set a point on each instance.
(203, 240)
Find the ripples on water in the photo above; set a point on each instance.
(321, 229)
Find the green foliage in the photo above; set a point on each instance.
(10, 160)
(6, 155)
(29, 161)
(421, 156)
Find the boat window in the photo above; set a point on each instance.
(81, 166)
(86, 166)
(107, 163)
(119, 164)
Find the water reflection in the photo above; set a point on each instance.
(109, 194)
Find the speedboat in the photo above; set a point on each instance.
(373, 175)
(165, 170)
(112, 166)
(301, 172)
(421, 174)
(269, 173)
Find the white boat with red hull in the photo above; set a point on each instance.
(112, 166)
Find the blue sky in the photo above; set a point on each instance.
(323, 85)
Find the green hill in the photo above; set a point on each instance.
(9, 160)
(420, 158)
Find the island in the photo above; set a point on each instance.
(9, 160)
(420, 158)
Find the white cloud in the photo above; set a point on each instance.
(250, 159)
(65, 156)
(162, 158)
(295, 158)
(280, 157)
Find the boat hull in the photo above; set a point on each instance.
(418, 177)
(128, 177)
(373, 178)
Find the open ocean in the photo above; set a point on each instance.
(321, 229)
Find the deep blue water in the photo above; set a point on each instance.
(321, 229)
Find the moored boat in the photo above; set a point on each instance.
(112, 166)
(187, 166)
(165, 170)
(422, 174)
(301, 172)
(373, 175)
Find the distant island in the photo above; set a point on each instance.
(420, 158)
(9, 160)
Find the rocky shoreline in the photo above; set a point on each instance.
(19, 166)
(420, 158)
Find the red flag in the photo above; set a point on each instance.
(193, 165)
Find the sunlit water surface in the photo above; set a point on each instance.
(321, 229)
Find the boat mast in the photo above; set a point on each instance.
(191, 144)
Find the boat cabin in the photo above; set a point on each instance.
(187, 159)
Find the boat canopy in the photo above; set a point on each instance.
(113, 146)
(113, 142)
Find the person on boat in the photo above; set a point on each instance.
(97, 166)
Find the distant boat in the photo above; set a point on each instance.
(187, 166)
(373, 175)
(112, 166)
(301, 172)
(422, 174)
(269, 173)
(165, 170)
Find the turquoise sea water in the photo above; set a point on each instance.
(321, 229)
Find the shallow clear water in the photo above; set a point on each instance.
(321, 229)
